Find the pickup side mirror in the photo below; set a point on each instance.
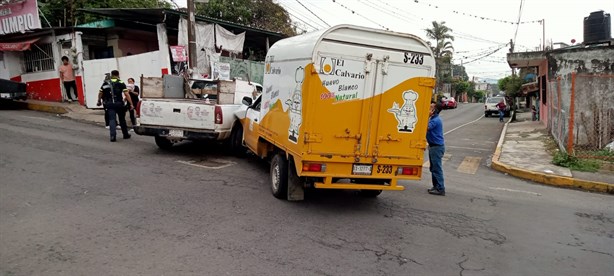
(247, 101)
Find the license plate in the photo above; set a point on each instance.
(362, 169)
(175, 133)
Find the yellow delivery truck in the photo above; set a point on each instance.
(342, 108)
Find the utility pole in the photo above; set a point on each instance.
(511, 51)
(193, 63)
(544, 35)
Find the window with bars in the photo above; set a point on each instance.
(39, 58)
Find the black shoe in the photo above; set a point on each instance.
(113, 139)
(437, 192)
(127, 136)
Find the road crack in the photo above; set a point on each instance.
(463, 268)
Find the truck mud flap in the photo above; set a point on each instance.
(296, 190)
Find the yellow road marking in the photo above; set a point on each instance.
(469, 165)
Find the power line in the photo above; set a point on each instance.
(478, 16)
(315, 25)
(312, 13)
(354, 12)
(467, 62)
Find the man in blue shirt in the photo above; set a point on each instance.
(434, 136)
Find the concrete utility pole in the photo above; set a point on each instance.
(544, 35)
(191, 36)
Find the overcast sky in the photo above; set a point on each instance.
(474, 36)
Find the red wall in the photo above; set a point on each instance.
(45, 90)
(50, 89)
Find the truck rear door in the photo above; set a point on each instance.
(178, 113)
(369, 108)
(400, 111)
(337, 113)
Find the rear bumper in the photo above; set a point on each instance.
(13, 95)
(355, 186)
(385, 178)
(187, 134)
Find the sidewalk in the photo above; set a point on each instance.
(521, 152)
(72, 110)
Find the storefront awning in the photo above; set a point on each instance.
(17, 46)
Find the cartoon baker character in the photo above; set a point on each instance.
(406, 114)
(295, 106)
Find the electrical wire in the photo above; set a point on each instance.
(312, 13)
(357, 14)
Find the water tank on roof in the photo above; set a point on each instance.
(597, 27)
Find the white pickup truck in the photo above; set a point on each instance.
(209, 116)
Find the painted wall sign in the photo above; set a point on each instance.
(18, 16)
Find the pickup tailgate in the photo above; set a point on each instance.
(178, 113)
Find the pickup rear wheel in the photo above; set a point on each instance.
(236, 141)
(163, 143)
(279, 176)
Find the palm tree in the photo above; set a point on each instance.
(440, 32)
(443, 48)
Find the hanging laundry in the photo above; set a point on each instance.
(204, 41)
(228, 41)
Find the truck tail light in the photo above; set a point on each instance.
(314, 167)
(138, 109)
(408, 171)
(219, 118)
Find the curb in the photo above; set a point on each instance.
(543, 178)
(43, 108)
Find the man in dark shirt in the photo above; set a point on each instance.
(112, 92)
(434, 136)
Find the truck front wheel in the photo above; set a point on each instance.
(163, 143)
(279, 176)
(236, 141)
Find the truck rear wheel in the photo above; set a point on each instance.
(370, 193)
(163, 143)
(279, 176)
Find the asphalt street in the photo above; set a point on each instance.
(72, 203)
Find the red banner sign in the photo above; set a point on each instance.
(17, 46)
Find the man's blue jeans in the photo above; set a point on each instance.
(436, 167)
(116, 110)
(501, 113)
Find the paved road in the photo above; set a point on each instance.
(71, 203)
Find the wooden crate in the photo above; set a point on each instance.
(152, 87)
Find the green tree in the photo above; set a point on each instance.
(511, 85)
(264, 14)
(460, 72)
(66, 13)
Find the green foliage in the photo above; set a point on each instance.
(67, 12)
(461, 86)
(478, 94)
(574, 163)
(459, 71)
(443, 48)
(511, 85)
(263, 14)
